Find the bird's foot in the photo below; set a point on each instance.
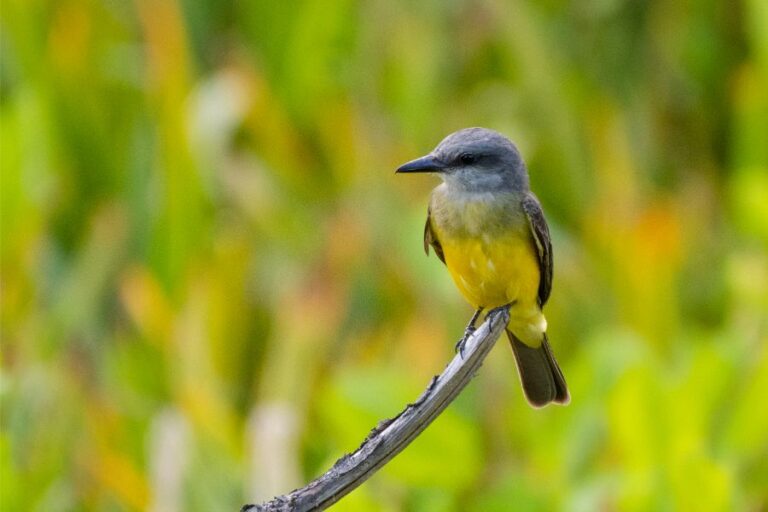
(496, 311)
(459, 347)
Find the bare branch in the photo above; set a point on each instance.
(391, 436)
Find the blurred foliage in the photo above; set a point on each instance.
(213, 284)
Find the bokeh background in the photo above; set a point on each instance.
(213, 285)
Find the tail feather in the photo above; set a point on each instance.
(540, 375)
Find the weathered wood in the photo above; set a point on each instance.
(391, 436)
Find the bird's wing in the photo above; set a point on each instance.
(540, 232)
(430, 238)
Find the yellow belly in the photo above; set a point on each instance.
(492, 273)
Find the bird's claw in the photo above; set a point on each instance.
(500, 309)
(459, 347)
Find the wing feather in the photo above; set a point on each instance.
(543, 243)
(430, 238)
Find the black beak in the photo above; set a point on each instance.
(424, 164)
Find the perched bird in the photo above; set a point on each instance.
(488, 228)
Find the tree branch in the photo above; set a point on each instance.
(391, 436)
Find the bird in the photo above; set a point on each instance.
(488, 228)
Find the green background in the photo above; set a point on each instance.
(213, 285)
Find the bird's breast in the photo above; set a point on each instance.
(474, 214)
(487, 248)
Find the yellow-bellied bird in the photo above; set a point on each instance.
(488, 228)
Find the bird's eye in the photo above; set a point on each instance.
(467, 158)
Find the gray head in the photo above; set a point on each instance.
(475, 160)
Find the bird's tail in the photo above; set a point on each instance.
(542, 379)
